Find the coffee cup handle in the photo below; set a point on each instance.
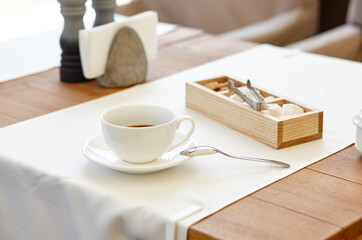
(188, 135)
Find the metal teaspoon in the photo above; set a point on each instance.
(207, 150)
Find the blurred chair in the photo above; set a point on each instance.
(277, 22)
(344, 41)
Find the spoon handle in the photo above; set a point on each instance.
(207, 150)
(282, 164)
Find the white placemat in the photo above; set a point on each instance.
(29, 42)
(48, 187)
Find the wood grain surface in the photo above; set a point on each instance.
(322, 201)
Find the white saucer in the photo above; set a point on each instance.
(96, 150)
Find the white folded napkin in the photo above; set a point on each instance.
(94, 43)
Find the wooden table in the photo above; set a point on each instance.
(322, 201)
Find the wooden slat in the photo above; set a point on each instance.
(213, 47)
(24, 103)
(191, 53)
(256, 219)
(178, 35)
(326, 199)
(49, 82)
(7, 120)
(346, 164)
(330, 199)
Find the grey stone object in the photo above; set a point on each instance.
(104, 11)
(127, 61)
(71, 68)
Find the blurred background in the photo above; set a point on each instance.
(329, 27)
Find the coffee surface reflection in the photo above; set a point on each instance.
(140, 126)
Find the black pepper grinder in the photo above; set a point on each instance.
(70, 67)
(73, 12)
(104, 11)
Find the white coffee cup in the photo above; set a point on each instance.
(357, 120)
(141, 133)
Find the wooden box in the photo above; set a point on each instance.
(272, 131)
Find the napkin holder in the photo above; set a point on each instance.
(274, 132)
(117, 53)
(126, 62)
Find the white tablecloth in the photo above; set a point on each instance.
(49, 190)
